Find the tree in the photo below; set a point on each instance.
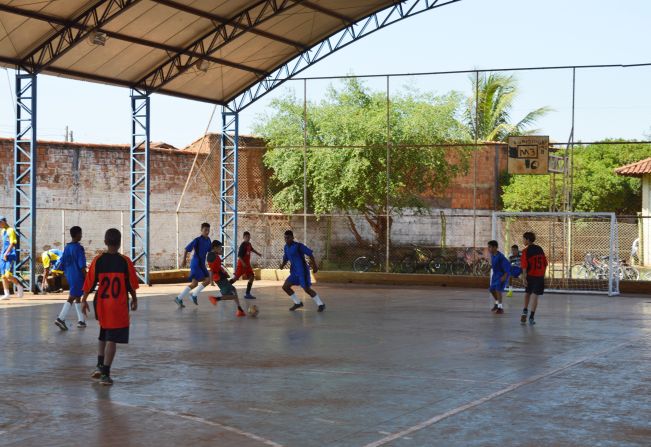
(491, 120)
(347, 158)
(596, 186)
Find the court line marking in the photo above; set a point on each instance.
(356, 373)
(203, 421)
(478, 402)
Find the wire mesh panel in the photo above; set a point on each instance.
(581, 248)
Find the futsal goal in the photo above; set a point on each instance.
(581, 248)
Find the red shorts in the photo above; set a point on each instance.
(243, 272)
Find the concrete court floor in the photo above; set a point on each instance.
(382, 366)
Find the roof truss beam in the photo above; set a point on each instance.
(98, 14)
(223, 21)
(329, 12)
(214, 40)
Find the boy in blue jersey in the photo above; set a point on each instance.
(199, 277)
(516, 268)
(500, 269)
(8, 259)
(73, 262)
(299, 271)
(51, 260)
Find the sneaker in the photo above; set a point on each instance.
(20, 292)
(195, 299)
(532, 321)
(240, 313)
(295, 306)
(6, 296)
(81, 324)
(499, 310)
(97, 373)
(509, 293)
(523, 318)
(179, 302)
(213, 300)
(321, 308)
(61, 324)
(105, 380)
(248, 296)
(494, 309)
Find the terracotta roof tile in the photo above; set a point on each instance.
(637, 169)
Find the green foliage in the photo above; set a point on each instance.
(491, 119)
(596, 186)
(350, 174)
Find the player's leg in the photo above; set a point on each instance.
(5, 288)
(498, 298)
(534, 306)
(205, 282)
(249, 285)
(185, 292)
(101, 348)
(287, 287)
(60, 322)
(493, 293)
(109, 356)
(81, 318)
(525, 310)
(315, 296)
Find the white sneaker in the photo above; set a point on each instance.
(5, 297)
(20, 291)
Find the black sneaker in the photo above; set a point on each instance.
(532, 321)
(81, 324)
(97, 373)
(523, 318)
(61, 324)
(105, 380)
(321, 308)
(494, 309)
(499, 310)
(295, 306)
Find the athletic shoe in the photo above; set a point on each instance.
(321, 308)
(295, 306)
(523, 318)
(179, 302)
(81, 324)
(248, 296)
(97, 373)
(105, 380)
(509, 293)
(20, 291)
(532, 321)
(494, 309)
(6, 296)
(61, 324)
(240, 313)
(213, 300)
(499, 310)
(195, 299)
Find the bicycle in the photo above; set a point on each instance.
(418, 259)
(471, 262)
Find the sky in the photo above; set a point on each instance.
(470, 34)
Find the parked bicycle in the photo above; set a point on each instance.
(418, 259)
(470, 262)
(598, 267)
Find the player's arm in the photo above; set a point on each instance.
(523, 265)
(132, 283)
(506, 266)
(315, 268)
(12, 243)
(284, 263)
(89, 283)
(241, 252)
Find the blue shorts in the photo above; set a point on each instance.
(516, 272)
(302, 279)
(7, 267)
(498, 286)
(198, 272)
(76, 286)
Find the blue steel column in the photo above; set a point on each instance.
(25, 177)
(229, 145)
(139, 212)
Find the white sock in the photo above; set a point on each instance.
(64, 311)
(496, 302)
(499, 305)
(317, 300)
(198, 290)
(295, 298)
(80, 314)
(185, 292)
(20, 291)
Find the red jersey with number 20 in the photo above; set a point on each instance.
(115, 277)
(534, 260)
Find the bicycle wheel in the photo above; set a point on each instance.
(438, 266)
(631, 273)
(408, 264)
(459, 267)
(482, 267)
(362, 264)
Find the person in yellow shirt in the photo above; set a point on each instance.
(8, 259)
(52, 265)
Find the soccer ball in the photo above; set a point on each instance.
(253, 311)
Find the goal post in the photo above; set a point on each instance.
(582, 248)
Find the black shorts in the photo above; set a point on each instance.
(535, 285)
(120, 335)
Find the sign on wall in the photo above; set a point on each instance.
(528, 155)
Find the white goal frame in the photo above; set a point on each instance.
(613, 249)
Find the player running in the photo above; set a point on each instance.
(8, 259)
(73, 262)
(199, 277)
(244, 268)
(500, 268)
(220, 276)
(516, 267)
(534, 264)
(299, 271)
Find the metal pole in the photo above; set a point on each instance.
(63, 228)
(122, 229)
(228, 185)
(387, 268)
(474, 169)
(177, 240)
(305, 161)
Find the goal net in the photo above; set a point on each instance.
(581, 248)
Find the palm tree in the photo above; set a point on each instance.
(491, 121)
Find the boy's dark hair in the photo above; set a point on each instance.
(205, 225)
(492, 244)
(515, 246)
(289, 233)
(216, 243)
(113, 237)
(75, 231)
(246, 233)
(530, 236)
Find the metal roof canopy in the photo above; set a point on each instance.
(227, 52)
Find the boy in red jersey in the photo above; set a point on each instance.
(219, 275)
(534, 265)
(244, 268)
(117, 280)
